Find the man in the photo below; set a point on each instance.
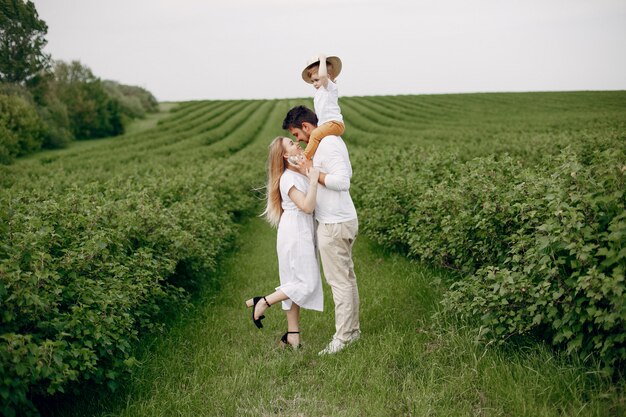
(337, 224)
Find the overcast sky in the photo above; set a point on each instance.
(234, 49)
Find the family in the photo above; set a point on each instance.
(308, 200)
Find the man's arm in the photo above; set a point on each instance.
(337, 176)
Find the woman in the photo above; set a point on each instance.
(290, 204)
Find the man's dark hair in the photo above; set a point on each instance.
(298, 115)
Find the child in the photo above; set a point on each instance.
(321, 72)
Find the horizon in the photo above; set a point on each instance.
(393, 95)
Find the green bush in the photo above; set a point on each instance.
(98, 247)
(541, 247)
(563, 273)
(84, 274)
(134, 101)
(98, 243)
(91, 112)
(20, 128)
(521, 194)
(56, 133)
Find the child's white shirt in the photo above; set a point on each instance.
(326, 103)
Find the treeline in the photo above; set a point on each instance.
(46, 103)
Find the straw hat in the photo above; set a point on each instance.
(333, 60)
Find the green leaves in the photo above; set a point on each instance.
(91, 259)
(99, 243)
(540, 243)
(21, 129)
(23, 35)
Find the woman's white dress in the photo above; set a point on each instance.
(298, 265)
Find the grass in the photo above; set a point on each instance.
(410, 360)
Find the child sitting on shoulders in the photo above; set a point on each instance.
(322, 72)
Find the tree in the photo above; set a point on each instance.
(92, 113)
(20, 128)
(57, 132)
(22, 39)
(134, 101)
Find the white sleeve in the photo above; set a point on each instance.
(331, 86)
(288, 181)
(301, 183)
(337, 171)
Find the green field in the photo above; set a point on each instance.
(516, 202)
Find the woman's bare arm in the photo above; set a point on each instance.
(306, 202)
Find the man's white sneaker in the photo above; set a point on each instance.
(355, 336)
(334, 346)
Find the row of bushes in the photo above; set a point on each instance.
(84, 274)
(540, 248)
(99, 247)
(67, 103)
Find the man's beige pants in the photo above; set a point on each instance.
(335, 242)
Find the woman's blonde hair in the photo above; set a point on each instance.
(275, 168)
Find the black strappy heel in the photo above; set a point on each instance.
(286, 342)
(255, 301)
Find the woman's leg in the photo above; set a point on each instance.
(272, 299)
(293, 324)
(293, 314)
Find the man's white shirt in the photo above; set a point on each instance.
(334, 203)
